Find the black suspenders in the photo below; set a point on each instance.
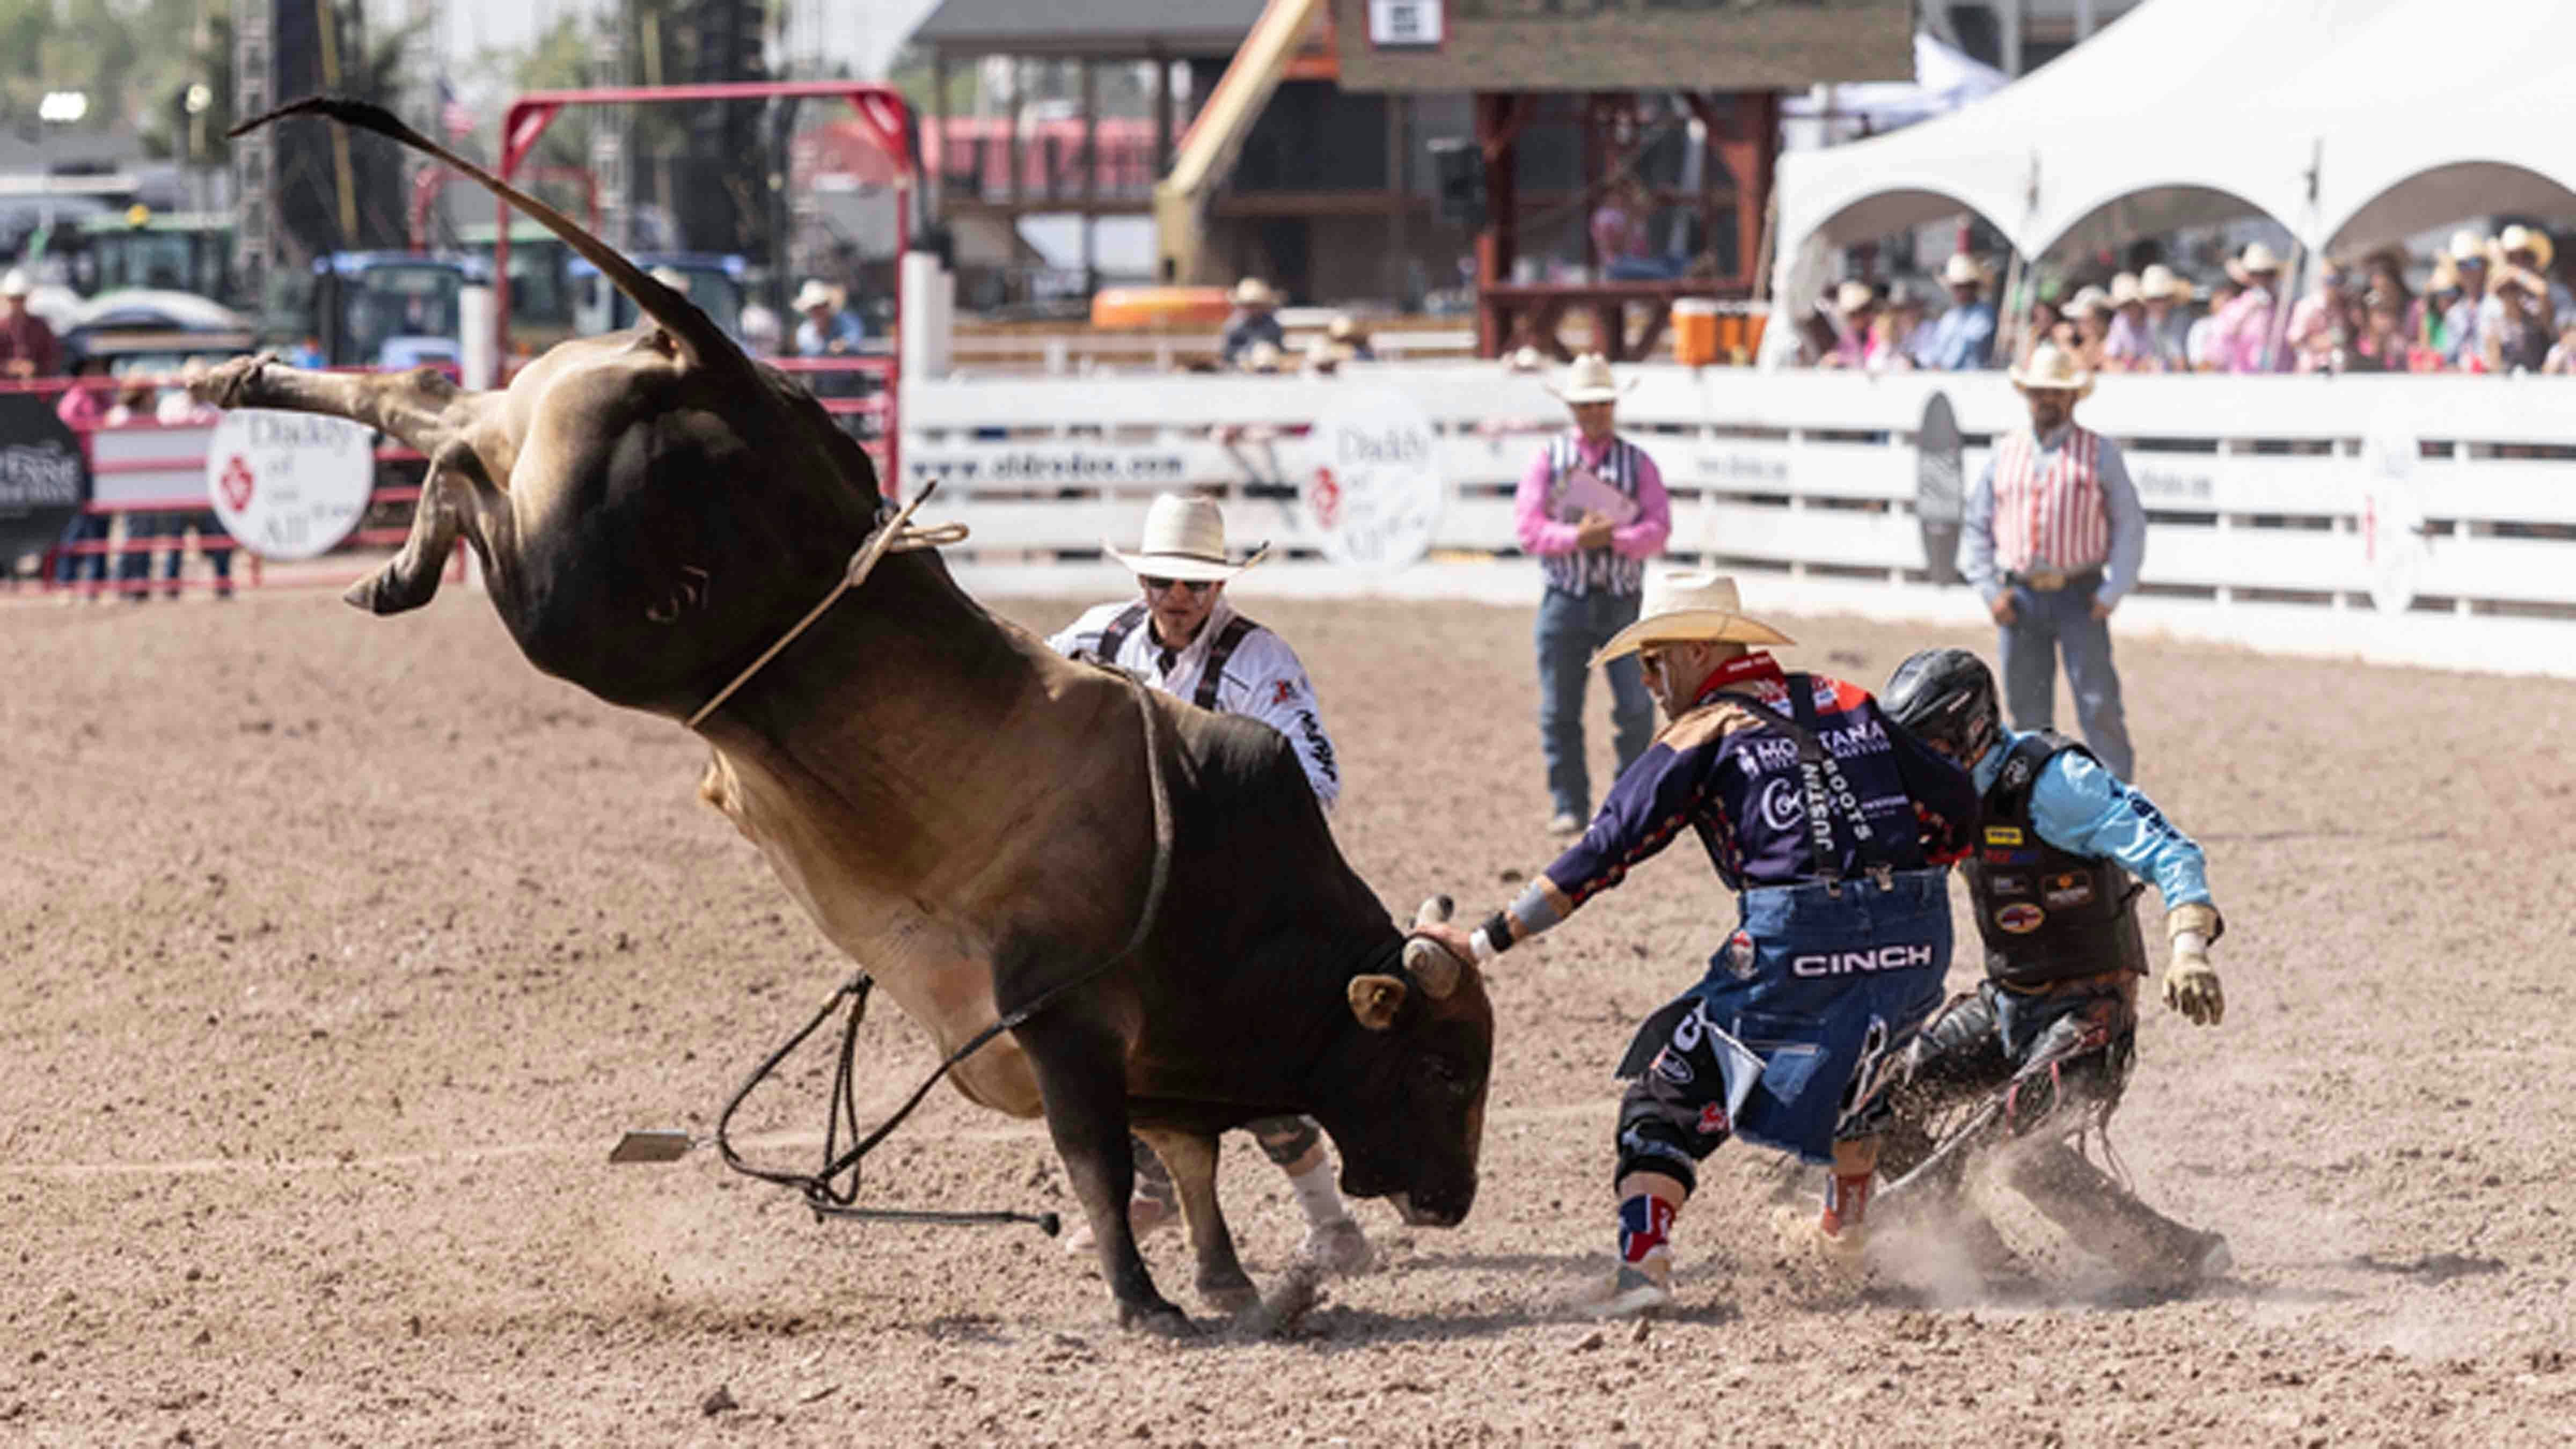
(1220, 649)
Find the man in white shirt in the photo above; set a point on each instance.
(1183, 638)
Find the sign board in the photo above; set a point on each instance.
(2393, 547)
(1404, 22)
(1620, 45)
(44, 478)
(1372, 485)
(289, 485)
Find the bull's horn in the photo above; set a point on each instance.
(1430, 963)
(697, 333)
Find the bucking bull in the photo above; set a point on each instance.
(975, 820)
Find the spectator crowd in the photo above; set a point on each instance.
(2484, 304)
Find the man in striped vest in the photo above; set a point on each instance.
(1183, 638)
(2054, 536)
(1592, 510)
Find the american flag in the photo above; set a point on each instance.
(453, 117)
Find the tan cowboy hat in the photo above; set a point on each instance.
(1263, 357)
(2530, 239)
(1853, 296)
(815, 294)
(15, 284)
(2127, 288)
(1344, 328)
(2159, 282)
(1253, 292)
(1323, 351)
(1590, 380)
(1525, 359)
(2052, 368)
(2468, 248)
(1684, 607)
(2089, 301)
(1184, 538)
(2254, 259)
(1962, 269)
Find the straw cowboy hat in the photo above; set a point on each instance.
(1345, 328)
(2052, 368)
(1853, 296)
(2158, 282)
(1962, 270)
(2468, 249)
(1263, 357)
(1323, 351)
(1589, 380)
(15, 284)
(2127, 288)
(2530, 239)
(1253, 292)
(2254, 260)
(2089, 301)
(1685, 607)
(815, 294)
(1184, 538)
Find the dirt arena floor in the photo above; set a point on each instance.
(339, 950)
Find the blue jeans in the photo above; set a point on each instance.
(2044, 624)
(70, 568)
(1570, 627)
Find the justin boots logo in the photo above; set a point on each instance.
(1848, 963)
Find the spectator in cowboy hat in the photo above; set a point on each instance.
(1255, 319)
(2245, 328)
(1346, 330)
(828, 329)
(2514, 323)
(1855, 307)
(2529, 249)
(27, 346)
(2091, 313)
(2147, 335)
(2053, 539)
(1963, 340)
(1325, 355)
(2322, 323)
(1592, 509)
(2204, 345)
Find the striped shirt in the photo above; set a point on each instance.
(2061, 502)
(1545, 520)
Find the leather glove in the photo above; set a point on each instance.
(2191, 983)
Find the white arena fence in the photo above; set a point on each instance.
(2280, 508)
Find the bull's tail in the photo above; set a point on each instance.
(705, 343)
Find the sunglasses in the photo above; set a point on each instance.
(1194, 586)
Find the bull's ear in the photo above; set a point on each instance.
(1376, 999)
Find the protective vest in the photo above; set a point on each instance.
(2046, 914)
(1228, 639)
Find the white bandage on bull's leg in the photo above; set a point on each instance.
(1538, 908)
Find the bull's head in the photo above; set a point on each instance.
(1404, 1097)
(650, 506)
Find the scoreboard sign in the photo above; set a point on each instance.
(1621, 45)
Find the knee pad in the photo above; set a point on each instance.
(1661, 1130)
(1285, 1139)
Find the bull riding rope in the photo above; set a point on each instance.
(822, 1194)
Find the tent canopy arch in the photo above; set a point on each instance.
(2444, 194)
(2153, 209)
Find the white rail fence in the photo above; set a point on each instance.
(2279, 507)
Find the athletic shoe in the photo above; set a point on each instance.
(1565, 822)
(1636, 1293)
(1339, 1247)
(1145, 1217)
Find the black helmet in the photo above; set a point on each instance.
(1947, 698)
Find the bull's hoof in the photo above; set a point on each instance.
(1159, 1318)
(1227, 1294)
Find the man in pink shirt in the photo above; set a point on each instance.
(1592, 510)
(2245, 328)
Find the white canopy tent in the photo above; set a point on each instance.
(1945, 78)
(2349, 122)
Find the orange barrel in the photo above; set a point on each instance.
(1695, 331)
(1159, 309)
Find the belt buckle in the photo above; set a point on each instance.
(2047, 581)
